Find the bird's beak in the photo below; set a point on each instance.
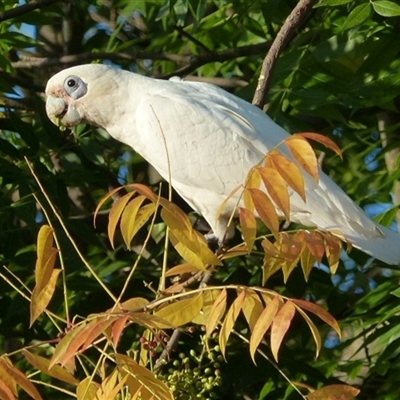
(61, 113)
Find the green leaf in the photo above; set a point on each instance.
(386, 8)
(359, 14)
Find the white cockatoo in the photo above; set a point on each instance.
(204, 141)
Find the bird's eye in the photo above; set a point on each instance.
(75, 87)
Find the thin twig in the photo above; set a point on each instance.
(293, 22)
(25, 8)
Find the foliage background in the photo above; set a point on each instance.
(339, 75)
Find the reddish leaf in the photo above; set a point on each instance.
(266, 210)
(145, 191)
(5, 392)
(319, 312)
(315, 243)
(280, 326)
(288, 170)
(304, 155)
(334, 392)
(248, 224)
(330, 144)
(277, 189)
(118, 327)
(263, 324)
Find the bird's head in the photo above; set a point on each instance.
(78, 94)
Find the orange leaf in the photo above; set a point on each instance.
(229, 321)
(307, 262)
(277, 189)
(334, 392)
(290, 247)
(5, 392)
(253, 179)
(216, 312)
(20, 379)
(333, 249)
(289, 171)
(280, 326)
(118, 328)
(315, 243)
(115, 214)
(330, 144)
(266, 210)
(248, 224)
(263, 324)
(145, 191)
(128, 220)
(304, 155)
(319, 312)
(42, 364)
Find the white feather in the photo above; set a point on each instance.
(205, 140)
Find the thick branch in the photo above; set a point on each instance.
(293, 21)
(25, 8)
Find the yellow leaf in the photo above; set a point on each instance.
(181, 269)
(236, 251)
(307, 262)
(330, 144)
(181, 312)
(87, 389)
(249, 227)
(304, 155)
(334, 392)
(216, 312)
(141, 380)
(115, 214)
(262, 325)
(277, 189)
(313, 328)
(128, 220)
(253, 179)
(280, 326)
(103, 200)
(46, 255)
(42, 364)
(134, 304)
(319, 312)
(266, 210)
(40, 300)
(333, 249)
(209, 297)
(229, 321)
(290, 247)
(288, 170)
(252, 308)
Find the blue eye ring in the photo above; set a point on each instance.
(75, 87)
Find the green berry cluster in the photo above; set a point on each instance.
(195, 374)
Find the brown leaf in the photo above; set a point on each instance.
(291, 247)
(280, 326)
(248, 224)
(334, 392)
(145, 191)
(216, 312)
(315, 242)
(319, 312)
(330, 144)
(229, 321)
(277, 189)
(263, 324)
(304, 155)
(288, 170)
(265, 209)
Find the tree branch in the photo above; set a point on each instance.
(25, 8)
(293, 22)
(192, 62)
